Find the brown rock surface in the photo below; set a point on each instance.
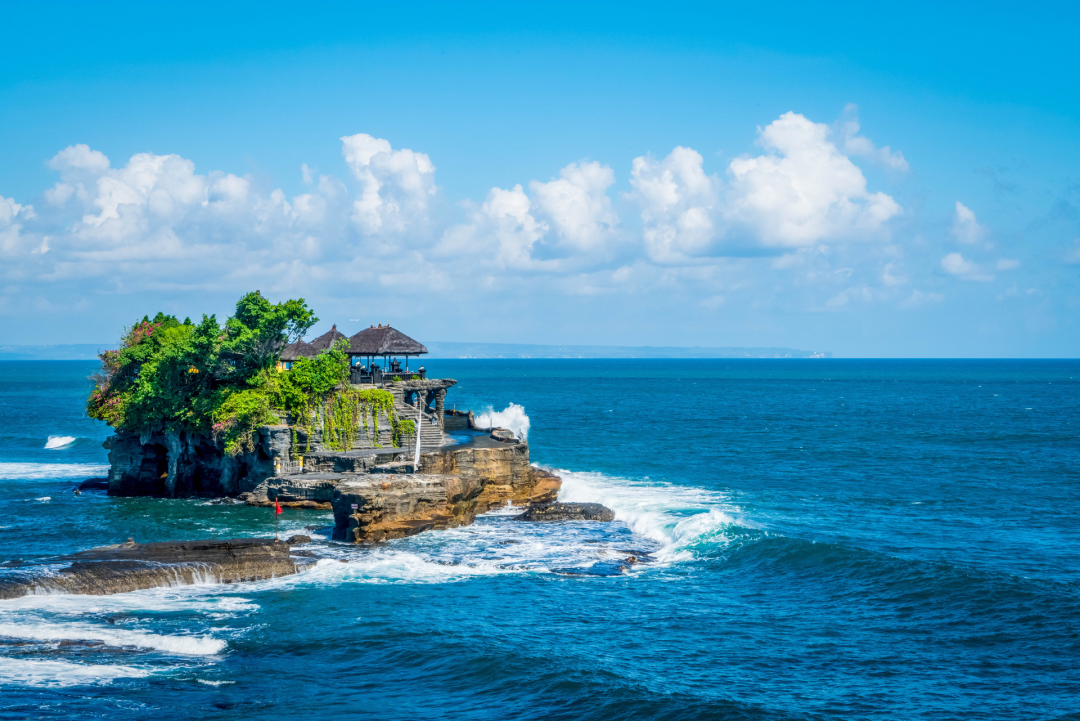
(134, 566)
(394, 506)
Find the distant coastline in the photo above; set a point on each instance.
(89, 351)
(518, 350)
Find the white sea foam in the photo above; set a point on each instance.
(214, 683)
(28, 672)
(512, 418)
(34, 471)
(196, 599)
(112, 636)
(56, 442)
(675, 517)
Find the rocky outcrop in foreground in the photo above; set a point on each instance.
(567, 512)
(382, 506)
(134, 566)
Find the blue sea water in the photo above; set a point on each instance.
(825, 539)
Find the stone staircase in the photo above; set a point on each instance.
(431, 436)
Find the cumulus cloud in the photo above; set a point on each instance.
(862, 147)
(12, 240)
(155, 221)
(964, 226)
(678, 202)
(578, 207)
(804, 190)
(568, 223)
(956, 264)
(395, 185)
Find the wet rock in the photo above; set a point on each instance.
(567, 512)
(94, 484)
(133, 566)
(379, 507)
(501, 434)
(395, 467)
(298, 540)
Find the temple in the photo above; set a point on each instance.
(357, 455)
(379, 358)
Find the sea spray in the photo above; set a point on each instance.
(50, 471)
(680, 519)
(512, 418)
(58, 442)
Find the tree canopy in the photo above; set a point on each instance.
(211, 378)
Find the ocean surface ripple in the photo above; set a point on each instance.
(815, 540)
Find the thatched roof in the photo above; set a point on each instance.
(326, 340)
(384, 341)
(296, 350)
(300, 349)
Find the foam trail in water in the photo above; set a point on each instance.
(26, 672)
(512, 418)
(187, 645)
(55, 442)
(34, 471)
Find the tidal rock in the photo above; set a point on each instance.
(133, 566)
(378, 507)
(567, 512)
(94, 484)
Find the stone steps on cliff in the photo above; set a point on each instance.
(431, 436)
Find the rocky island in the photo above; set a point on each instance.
(250, 411)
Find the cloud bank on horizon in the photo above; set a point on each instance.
(800, 207)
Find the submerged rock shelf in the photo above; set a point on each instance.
(135, 566)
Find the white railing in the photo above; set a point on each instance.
(288, 467)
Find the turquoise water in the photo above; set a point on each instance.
(827, 539)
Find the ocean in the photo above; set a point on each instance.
(822, 539)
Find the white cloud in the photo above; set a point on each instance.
(955, 264)
(678, 201)
(964, 227)
(804, 191)
(156, 222)
(1007, 264)
(577, 206)
(568, 224)
(862, 147)
(395, 185)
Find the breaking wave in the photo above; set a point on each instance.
(512, 418)
(28, 672)
(56, 442)
(186, 645)
(682, 520)
(34, 471)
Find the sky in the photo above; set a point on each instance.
(873, 180)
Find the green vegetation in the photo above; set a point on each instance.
(222, 380)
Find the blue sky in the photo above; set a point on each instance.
(876, 181)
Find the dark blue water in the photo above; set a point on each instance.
(827, 539)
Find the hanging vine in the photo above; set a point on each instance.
(348, 411)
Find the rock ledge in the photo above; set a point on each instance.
(567, 512)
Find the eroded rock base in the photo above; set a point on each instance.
(135, 566)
